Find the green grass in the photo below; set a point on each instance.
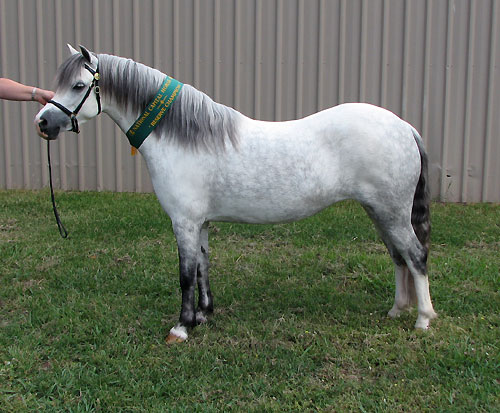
(300, 321)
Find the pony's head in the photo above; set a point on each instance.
(77, 96)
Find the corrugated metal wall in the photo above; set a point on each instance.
(433, 62)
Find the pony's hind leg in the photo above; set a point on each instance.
(405, 296)
(405, 288)
(205, 300)
(415, 256)
(410, 259)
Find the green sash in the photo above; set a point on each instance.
(154, 111)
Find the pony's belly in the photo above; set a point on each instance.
(260, 218)
(269, 211)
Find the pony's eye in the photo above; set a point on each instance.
(79, 86)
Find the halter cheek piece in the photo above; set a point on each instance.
(94, 85)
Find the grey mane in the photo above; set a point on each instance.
(194, 120)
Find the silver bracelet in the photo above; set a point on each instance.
(33, 93)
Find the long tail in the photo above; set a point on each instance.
(420, 213)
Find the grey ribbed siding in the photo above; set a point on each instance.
(434, 63)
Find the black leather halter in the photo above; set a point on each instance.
(94, 85)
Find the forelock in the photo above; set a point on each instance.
(68, 70)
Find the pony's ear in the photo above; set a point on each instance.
(72, 50)
(86, 54)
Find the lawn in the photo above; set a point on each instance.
(300, 321)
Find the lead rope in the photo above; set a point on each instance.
(60, 225)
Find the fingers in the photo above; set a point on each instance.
(43, 96)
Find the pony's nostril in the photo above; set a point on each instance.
(42, 122)
(42, 127)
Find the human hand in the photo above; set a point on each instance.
(42, 96)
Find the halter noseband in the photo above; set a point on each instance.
(94, 85)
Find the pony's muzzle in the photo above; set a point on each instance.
(46, 128)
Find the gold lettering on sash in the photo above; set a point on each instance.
(167, 105)
(143, 126)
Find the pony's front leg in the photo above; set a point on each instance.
(205, 300)
(188, 243)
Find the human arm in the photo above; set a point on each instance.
(12, 90)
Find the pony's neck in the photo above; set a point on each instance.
(194, 120)
(124, 119)
(127, 88)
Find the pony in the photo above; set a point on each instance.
(209, 162)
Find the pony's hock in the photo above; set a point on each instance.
(209, 162)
